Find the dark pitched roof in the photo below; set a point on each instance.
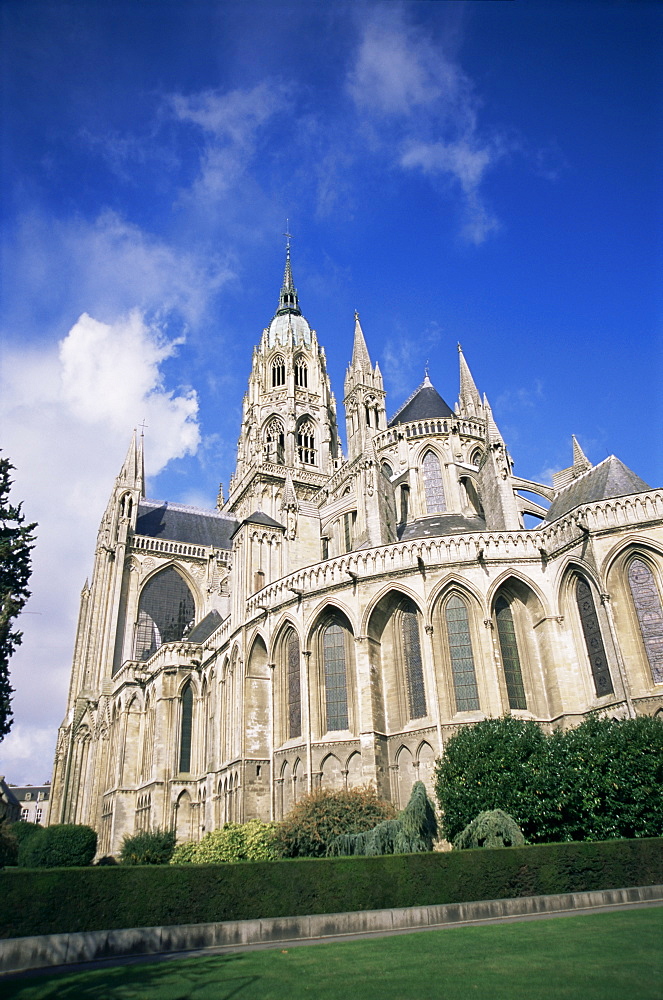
(205, 627)
(259, 518)
(179, 523)
(424, 403)
(441, 524)
(610, 478)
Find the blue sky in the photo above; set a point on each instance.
(487, 173)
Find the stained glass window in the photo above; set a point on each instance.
(306, 443)
(294, 686)
(433, 486)
(413, 665)
(165, 609)
(647, 601)
(336, 689)
(301, 373)
(510, 657)
(185, 730)
(591, 630)
(462, 659)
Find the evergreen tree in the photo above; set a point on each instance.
(16, 544)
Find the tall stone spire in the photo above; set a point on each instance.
(288, 301)
(360, 357)
(469, 397)
(580, 461)
(132, 473)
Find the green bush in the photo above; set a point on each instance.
(148, 848)
(8, 847)
(252, 841)
(86, 899)
(64, 846)
(600, 780)
(21, 830)
(414, 829)
(184, 853)
(309, 829)
(490, 829)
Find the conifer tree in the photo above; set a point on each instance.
(16, 544)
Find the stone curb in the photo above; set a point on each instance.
(47, 950)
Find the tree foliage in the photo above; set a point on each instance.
(600, 780)
(493, 828)
(413, 830)
(153, 847)
(308, 830)
(251, 841)
(16, 544)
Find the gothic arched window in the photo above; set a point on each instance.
(301, 373)
(336, 684)
(462, 658)
(414, 674)
(405, 503)
(433, 486)
(165, 609)
(591, 631)
(275, 441)
(306, 443)
(186, 725)
(506, 632)
(294, 691)
(647, 603)
(278, 371)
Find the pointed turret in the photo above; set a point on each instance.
(580, 460)
(580, 464)
(469, 398)
(493, 435)
(361, 360)
(289, 500)
(132, 473)
(288, 301)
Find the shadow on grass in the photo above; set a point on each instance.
(181, 980)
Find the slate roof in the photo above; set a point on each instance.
(424, 403)
(441, 524)
(258, 518)
(179, 523)
(610, 478)
(205, 627)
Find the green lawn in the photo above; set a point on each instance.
(607, 956)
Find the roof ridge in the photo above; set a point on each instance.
(410, 398)
(186, 508)
(587, 472)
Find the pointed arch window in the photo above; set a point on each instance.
(591, 631)
(306, 443)
(294, 685)
(405, 503)
(336, 684)
(278, 372)
(416, 693)
(165, 609)
(647, 603)
(186, 726)
(506, 632)
(301, 373)
(433, 485)
(275, 441)
(462, 658)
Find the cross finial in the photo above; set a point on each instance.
(142, 428)
(356, 315)
(426, 368)
(287, 234)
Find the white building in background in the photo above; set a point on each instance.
(340, 616)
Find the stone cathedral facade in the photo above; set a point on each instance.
(339, 616)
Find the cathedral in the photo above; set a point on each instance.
(340, 615)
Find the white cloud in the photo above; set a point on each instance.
(67, 414)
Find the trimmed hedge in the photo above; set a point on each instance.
(89, 899)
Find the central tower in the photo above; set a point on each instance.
(288, 445)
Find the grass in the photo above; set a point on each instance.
(606, 956)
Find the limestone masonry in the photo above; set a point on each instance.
(337, 618)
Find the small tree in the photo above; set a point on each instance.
(16, 544)
(317, 819)
(413, 830)
(490, 829)
(154, 847)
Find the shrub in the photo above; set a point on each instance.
(414, 830)
(64, 846)
(600, 780)
(8, 847)
(308, 830)
(21, 830)
(184, 853)
(252, 841)
(491, 829)
(148, 848)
